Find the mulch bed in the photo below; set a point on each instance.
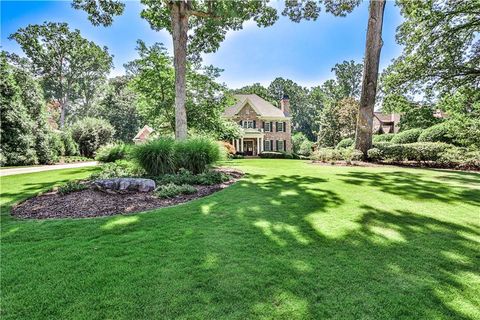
(92, 203)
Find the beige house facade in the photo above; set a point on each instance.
(266, 127)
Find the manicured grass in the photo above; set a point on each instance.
(291, 240)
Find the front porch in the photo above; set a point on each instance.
(251, 144)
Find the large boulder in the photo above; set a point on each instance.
(124, 185)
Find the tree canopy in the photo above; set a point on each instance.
(69, 65)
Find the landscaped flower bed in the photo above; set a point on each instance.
(73, 201)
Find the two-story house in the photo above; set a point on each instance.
(266, 127)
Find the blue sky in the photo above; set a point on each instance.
(304, 52)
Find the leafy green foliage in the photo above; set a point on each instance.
(183, 176)
(71, 147)
(297, 139)
(437, 133)
(157, 156)
(386, 137)
(418, 151)
(275, 155)
(172, 190)
(345, 143)
(332, 155)
(91, 134)
(71, 186)
(120, 107)
(71, 67)
(118, 169)
(18, 140)
(407, 136)
(440, 47)
(196, 154)
(113, 152)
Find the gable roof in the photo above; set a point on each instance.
(262, 107)
(145, 129)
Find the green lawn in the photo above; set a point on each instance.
(291, 240)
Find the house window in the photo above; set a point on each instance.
(248, 124)
(267, 146)
(280, 127)
(268, 127)
(280, 145)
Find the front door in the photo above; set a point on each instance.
(248, 148)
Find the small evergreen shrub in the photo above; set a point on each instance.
(418, 151)
(375, 154)
(118, 169)
(196, 154)
(407, 136)
(437, 133)
(326, 155)
(186, 177)
(386, 137)
(113, 152)
(172, 190)
(345, 143)
(156, 156)
(44, 148)
(71, 186)
(350, 154)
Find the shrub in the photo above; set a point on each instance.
(118, 169)
(172, 190)
(57, 144)
(91, 134)
(345, 143)
(186, 177)
(306, 148)
(350, 154)
(326, 154)
(196, 154)
(43, 145)
(72, 159)
(71, 147)
(436, 133)
(375, 154)
(71, 186)
(275, 155)
(418, 151)
(407, 136)
(297, 139)
(156, 156)
(113, 152)
(386, 137)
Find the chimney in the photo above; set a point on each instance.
(285, 105)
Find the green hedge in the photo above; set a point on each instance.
(418, 151)
(437, 133)
(407, 136)
(331, 155)
(275, 155)
(345, 143)
(386, 137)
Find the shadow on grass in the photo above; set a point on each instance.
(257, 249)
(414, 186)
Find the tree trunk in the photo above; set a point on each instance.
(63, 107)
(363, 136)
(179, 34)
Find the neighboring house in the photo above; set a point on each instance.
(266, 127)
(143, 134)
(386, 123)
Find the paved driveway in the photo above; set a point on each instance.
(20, 170)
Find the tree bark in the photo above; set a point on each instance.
(63, 108)
(373, 47)
(179, 18)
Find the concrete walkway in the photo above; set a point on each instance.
(20, 170)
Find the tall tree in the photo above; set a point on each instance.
(441, 48)
(68, 64)
(195, 26)
(349, 78)
(309, 10)
(153, 79)
(373, 47)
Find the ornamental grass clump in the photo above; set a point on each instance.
(157, 156)
(196, 154)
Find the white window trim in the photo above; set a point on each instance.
(269, 126)
(280, 125)
(281, 147)
(268, 146)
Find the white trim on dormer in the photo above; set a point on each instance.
(250, 103)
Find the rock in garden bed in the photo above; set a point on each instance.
(124, 185)
(95, 203)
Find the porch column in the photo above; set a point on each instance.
(241, 145)
(261, 144)
(258, 146)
